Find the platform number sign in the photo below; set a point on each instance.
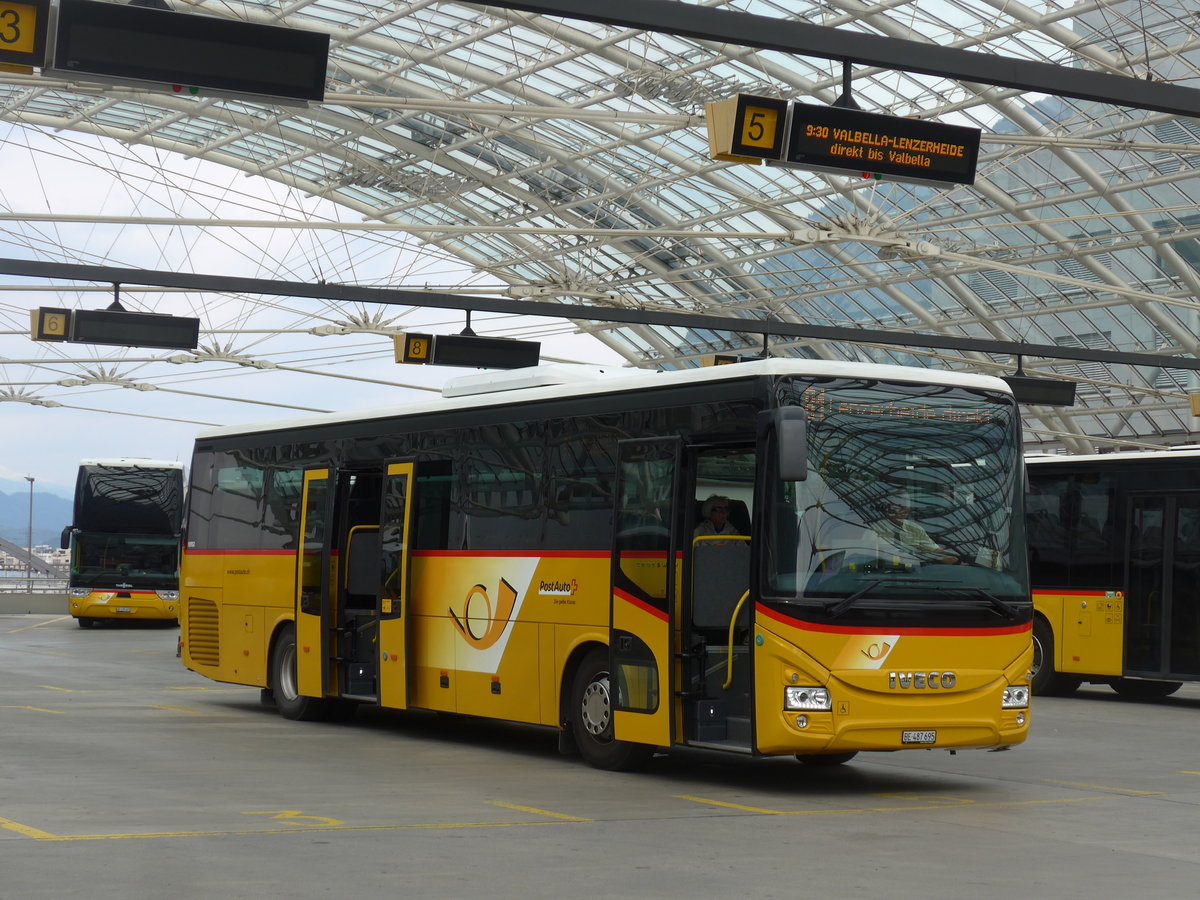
(23, 27)
(414, 348)
(50, 324)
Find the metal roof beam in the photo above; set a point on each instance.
(823, 42)
(627, 316)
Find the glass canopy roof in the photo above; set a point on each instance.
(535, 157)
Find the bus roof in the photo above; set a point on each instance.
(591, 382)
(1121, 456)
(130, 462)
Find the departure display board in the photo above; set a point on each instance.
(853, 141)
(122, 43)
(128, 329)
(468, 350)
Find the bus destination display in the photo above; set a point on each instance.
(831, 137)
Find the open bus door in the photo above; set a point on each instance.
(352, 579)
(313, 563)
(645, 577)
(395, 528)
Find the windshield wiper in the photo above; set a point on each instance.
(837, 607)
(1005, 608)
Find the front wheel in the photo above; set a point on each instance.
(1044, 680)
(285, 684)
(592, 718)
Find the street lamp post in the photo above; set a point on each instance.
(29, 562)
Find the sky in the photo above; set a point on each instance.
(148, 406)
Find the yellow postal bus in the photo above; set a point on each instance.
(124, 540)
(531, 554)
(1114, 547)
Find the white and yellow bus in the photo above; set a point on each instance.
(124, 540)
(1114, 550)
(529, 554)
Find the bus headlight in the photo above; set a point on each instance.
(78, 593)
(811, 698)
(170, 596)
(1015, 697)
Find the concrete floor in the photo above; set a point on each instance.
(123, 775)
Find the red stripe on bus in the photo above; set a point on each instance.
(188, 552)
(891, 629)
(509, 554)
(1058, 593)
(641, 604)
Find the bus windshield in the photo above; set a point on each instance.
(130, 561)
(909, 504)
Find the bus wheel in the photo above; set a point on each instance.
(86, 622)
(284, 682)
(826, 759)
(1044, 681)
(1145, 690)
(592, 719)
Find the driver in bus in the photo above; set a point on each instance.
(897, 527)
(715, 514)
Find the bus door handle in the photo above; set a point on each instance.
(732, 623)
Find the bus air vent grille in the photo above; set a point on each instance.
(202, 636)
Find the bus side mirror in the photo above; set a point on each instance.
(791, 441)
(64, 540)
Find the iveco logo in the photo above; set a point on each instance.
(920, 681)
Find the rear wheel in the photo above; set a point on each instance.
(1145, 690)
(1045, 681)
(285, 684)
(592, 718)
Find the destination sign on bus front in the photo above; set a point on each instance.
(850, 140)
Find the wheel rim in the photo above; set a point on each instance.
(287, 672)
(1037, 657)
(595, 710)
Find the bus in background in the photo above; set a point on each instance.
(124, 540)
(533, 555)
(1114, 555)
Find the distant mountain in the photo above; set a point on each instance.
(51, 513)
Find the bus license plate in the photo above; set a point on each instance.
(124, 609)
(918, 737)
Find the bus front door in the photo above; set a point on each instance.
(313, 562)
(394, 544)
(645, 575)
(1162, 610)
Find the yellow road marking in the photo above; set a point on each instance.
(879, 809)
(1101, 787)
(538, 812)
(37, 624)
(250, 832)
(10, 825)
(1186, 772)
(178, 709)
(50, 687)
(57, 712)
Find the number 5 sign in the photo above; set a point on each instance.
(23, 27)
